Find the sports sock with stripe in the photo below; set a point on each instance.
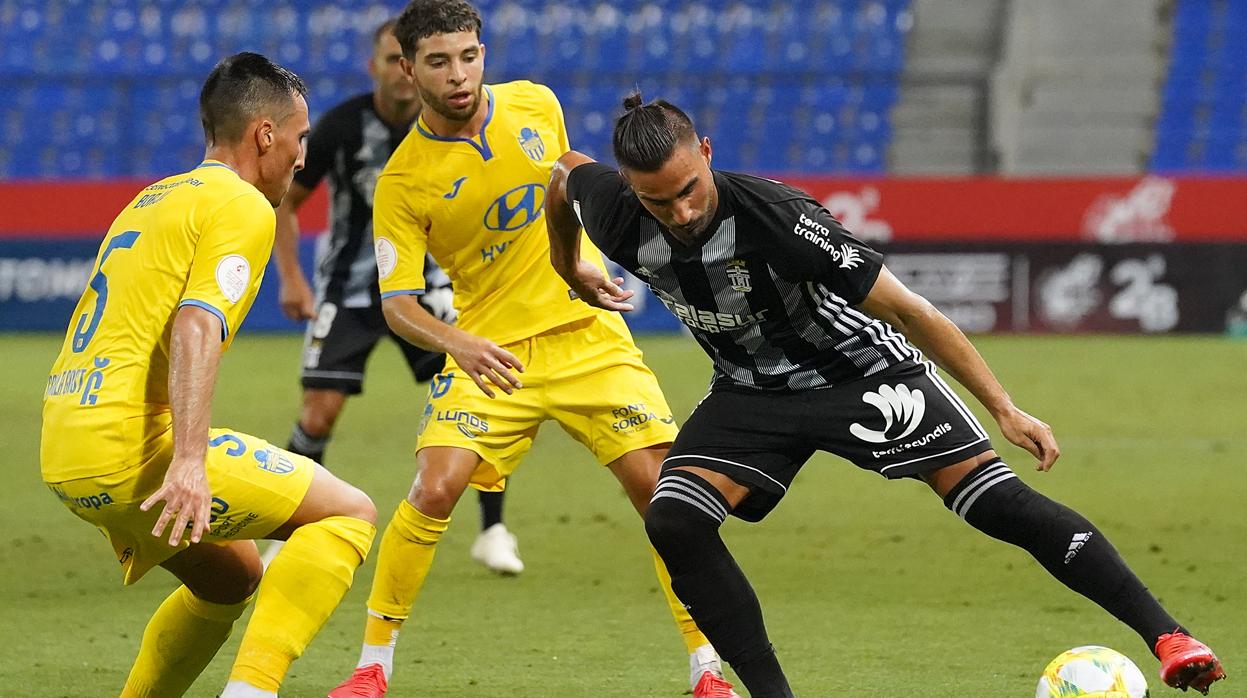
(682, 521)
(403, 562)
(994, 500)
(307, 445)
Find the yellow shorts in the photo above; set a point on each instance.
(255, 488)
(587, 375)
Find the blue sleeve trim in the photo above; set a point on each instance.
(219, 315)
(405, 292)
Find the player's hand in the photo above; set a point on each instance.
(591, 286)
(296, 299)
(187, 501)
(1031, 434)
(486, 363)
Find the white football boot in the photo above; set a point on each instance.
(497, 549)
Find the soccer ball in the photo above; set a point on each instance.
(1091, 672)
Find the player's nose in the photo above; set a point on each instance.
(682, 214)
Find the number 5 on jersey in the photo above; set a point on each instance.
(99, 284)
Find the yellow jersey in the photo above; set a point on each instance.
(477, 206)
(201, 238)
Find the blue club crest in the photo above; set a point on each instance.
(531, 142)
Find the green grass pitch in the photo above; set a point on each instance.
(870, 588)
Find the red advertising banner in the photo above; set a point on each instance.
(86, 209)
(1109, 210)
(1112, 210)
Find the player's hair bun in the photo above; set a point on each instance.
(633, 101)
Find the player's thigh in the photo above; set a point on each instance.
(337, 346)
(602, 393)
(752, 438)
(637, 471)
(498, 430)
(224, 573)
(327, 496)
(902, 422)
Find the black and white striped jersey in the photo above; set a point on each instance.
(769, 291)
(351, 144)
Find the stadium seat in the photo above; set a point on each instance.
(1203, 107)
(744, 69)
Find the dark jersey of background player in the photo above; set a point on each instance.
(350, 144)
(780, 272)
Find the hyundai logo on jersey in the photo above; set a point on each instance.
(530, 141)
(516, 208)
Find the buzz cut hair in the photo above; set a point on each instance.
(424, 18)
(646, 135)
(386, 28)
(241, 88)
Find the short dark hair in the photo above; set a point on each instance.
(647, 134)
(240, 88)
(424, 18)
(386, 28)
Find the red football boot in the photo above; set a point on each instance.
(711, 685)
(1187, 663)
(367, 682)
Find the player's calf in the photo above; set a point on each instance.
(682, 522)
(994, 500)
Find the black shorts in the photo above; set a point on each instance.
(339, 341)
(900, 422)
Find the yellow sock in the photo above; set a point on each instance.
(403, 562)
(692, 636)
(181, 638)
(301, 587)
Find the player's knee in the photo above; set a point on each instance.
(358, 505)
(317, 423)
(673, 525)
(234, 585)
(436, 499)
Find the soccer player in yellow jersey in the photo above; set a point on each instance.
(467, 185)
(126, 444)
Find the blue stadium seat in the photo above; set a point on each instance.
(1203, 107)
(780, 84)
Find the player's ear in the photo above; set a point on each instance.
(409, 68)
(706, 151)
(264, 136)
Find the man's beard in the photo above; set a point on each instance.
(445, 110)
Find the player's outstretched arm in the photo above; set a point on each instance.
(194, 355)
(295, 297)
(486, 362)
(937, 337)
(584, 278)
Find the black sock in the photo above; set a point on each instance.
(683, 522)
(307, 445)
(491, 508)
(993, 500)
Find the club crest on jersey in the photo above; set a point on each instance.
(738, 276)
(531, 142)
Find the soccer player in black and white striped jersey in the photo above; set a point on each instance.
(816, 346)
